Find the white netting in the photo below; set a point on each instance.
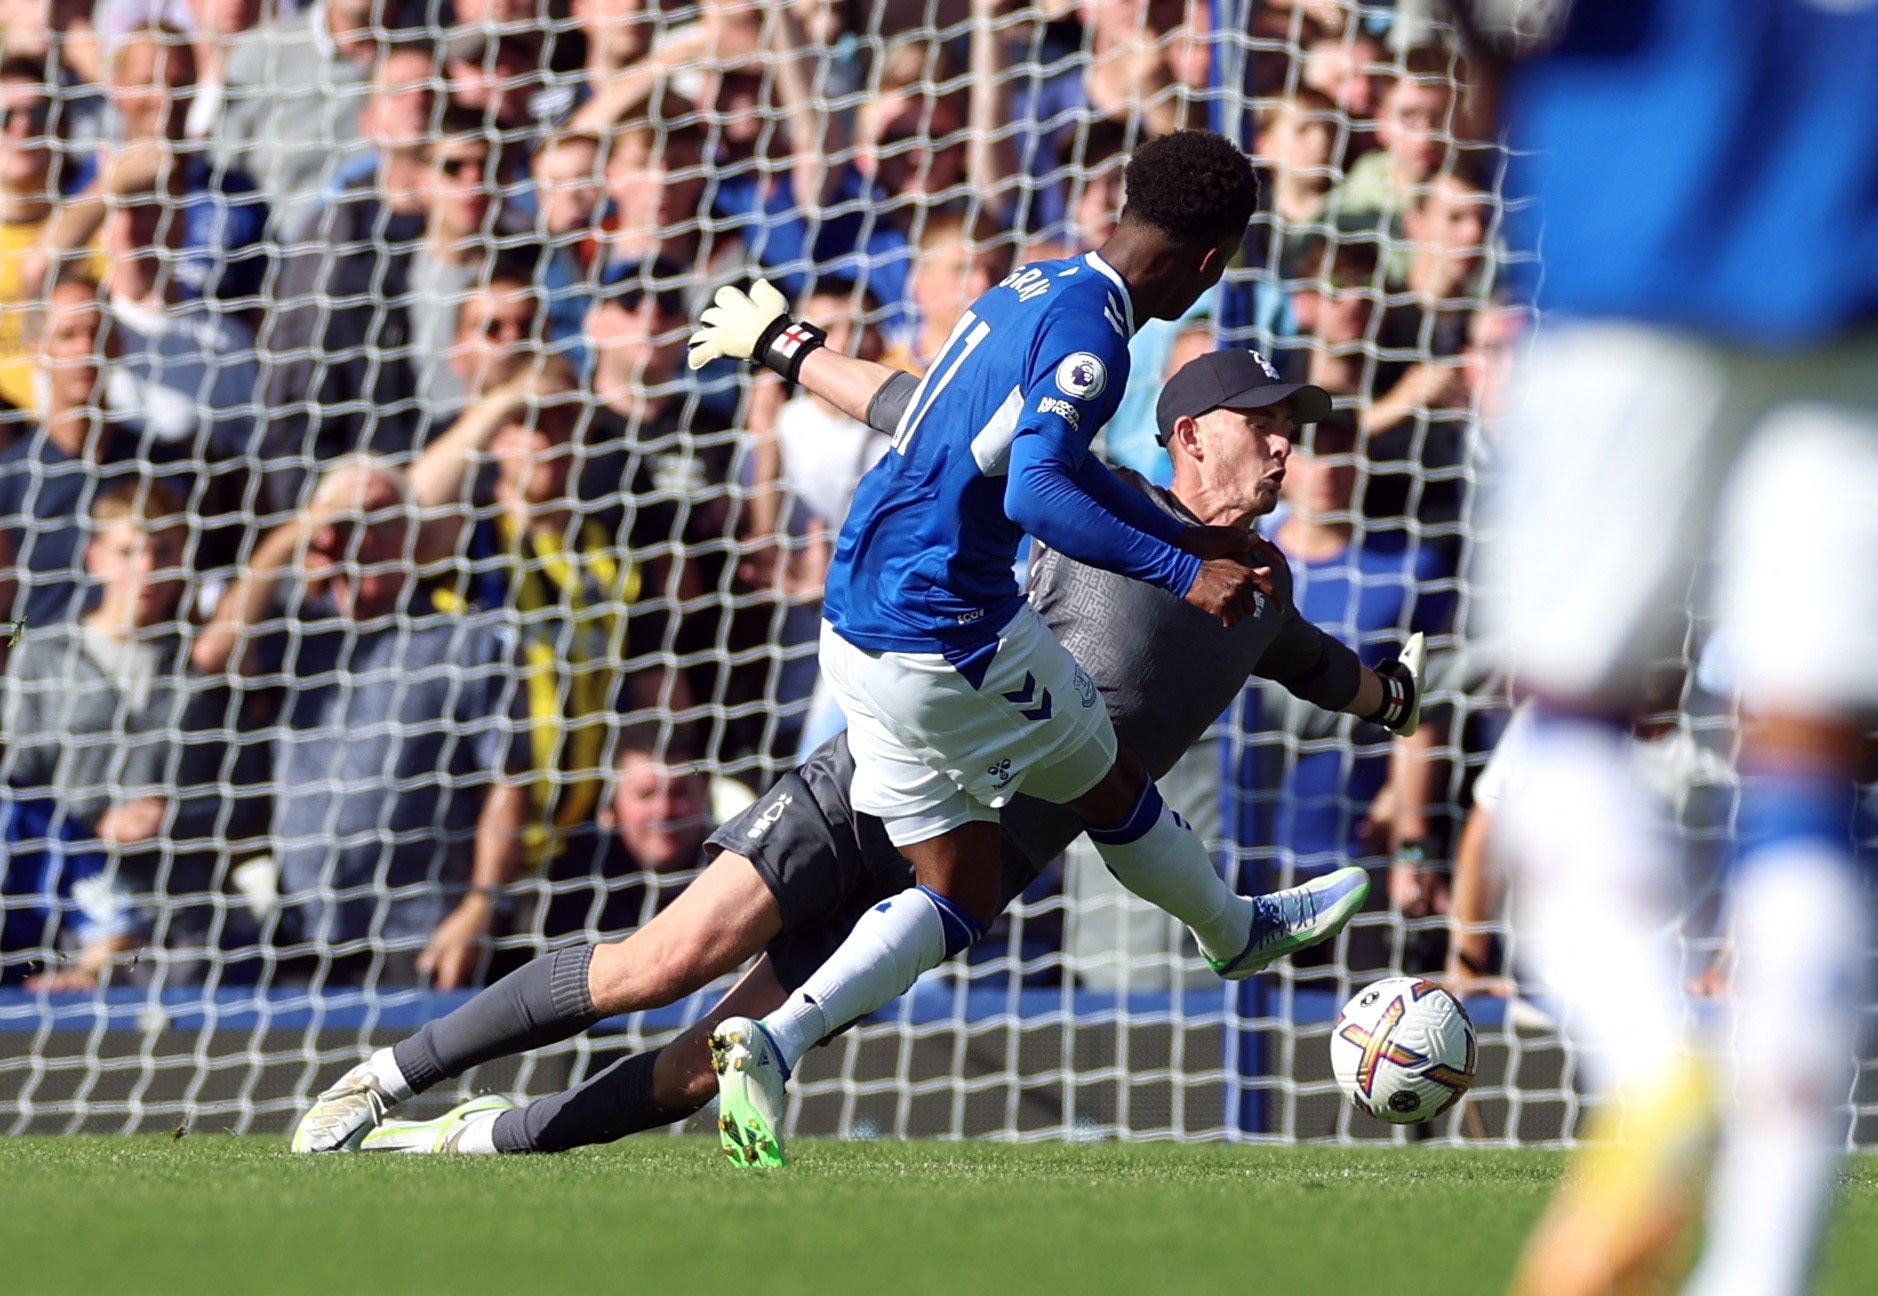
(454, 250)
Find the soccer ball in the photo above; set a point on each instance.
(1403, 1050)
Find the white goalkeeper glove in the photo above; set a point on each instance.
(1401, 709)
(753, 326)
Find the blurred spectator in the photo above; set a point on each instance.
(59, 42)
(568, 192)
(294, 88)
(497, 333)
(654, 183)
(1324, 324)
(1095, 201)
(213, 238)
(678, 457)
(395, 720)
(1419, 421)
(1134, 71)
(1305, 791)
(50, 476)
(191, 373)
(1414, 134)
(643, 848)
(357, 348)
(1294, 145)
(1345, 67)
(506, 477)
(500, 75)
(28, 187)
(618, 33)
(395, 120)
(109, 724)
(957, 261)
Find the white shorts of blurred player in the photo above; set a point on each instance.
(931, 752)
(1635, 453)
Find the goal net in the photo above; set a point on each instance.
(396, 604)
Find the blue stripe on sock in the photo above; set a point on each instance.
(961, 929)
(1145, 815)
(1793, 807)
(782, 1058)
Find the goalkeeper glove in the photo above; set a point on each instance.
(753, 326)
(1401, 709)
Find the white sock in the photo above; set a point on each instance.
(1595, 895)
(891, 945)
(390, 1077)
(479, 1135)
(1801, 932)
(1166, 864)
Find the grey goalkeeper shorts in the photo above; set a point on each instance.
(825, 864)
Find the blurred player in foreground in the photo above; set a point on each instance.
(791, 875)
(1707, 175)
(957, 695)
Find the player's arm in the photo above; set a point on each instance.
(1312, 665)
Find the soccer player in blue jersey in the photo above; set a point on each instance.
(957, 695)
(1706, 172)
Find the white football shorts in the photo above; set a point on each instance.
(932, 752)
(1633, 455)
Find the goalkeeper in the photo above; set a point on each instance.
(789, 876)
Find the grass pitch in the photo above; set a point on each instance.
(224, 1214)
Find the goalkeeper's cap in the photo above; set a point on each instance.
(1233, 379)
(626, 283)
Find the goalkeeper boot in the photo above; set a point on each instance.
(1285, 922)
(344, 1113)
(750, 1096)
(444, 1134)
(1621, 1219)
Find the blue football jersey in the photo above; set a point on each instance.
(924, 562)
(1706, 164)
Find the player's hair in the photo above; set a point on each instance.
(1194, 186)
(150, 504)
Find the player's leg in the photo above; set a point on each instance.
(639, 1092)
(1801, 921)
(725, 915)
(1155, 854)
(1623, 438)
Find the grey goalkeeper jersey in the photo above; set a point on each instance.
(1167, 670)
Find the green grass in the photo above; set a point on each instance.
(224, 1214)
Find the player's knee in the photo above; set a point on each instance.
(1114, 798)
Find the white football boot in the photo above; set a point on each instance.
(750, 1097)
(442, 1134)
(344, 1113)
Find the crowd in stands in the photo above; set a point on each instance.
(364, 526)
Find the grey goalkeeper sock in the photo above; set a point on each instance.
(607, 1106)
(542, 1002)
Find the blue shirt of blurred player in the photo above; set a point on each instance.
(1707, 235)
